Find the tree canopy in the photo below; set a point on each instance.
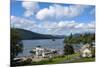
(16, 44)
(73, 39)
(80, 38)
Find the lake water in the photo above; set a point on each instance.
(45, 43)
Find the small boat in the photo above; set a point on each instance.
(53, 39)
(32, 51)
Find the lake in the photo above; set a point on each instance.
(45, 43)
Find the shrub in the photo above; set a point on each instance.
(93, 52)
(68, 49)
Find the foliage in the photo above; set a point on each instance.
(16, 44)
(26, 35)
(77, 39)
(68, 49)
(42, 62)
(93, 51)
(56, 60)
(83, 60)
(80, 38)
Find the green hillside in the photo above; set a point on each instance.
(26, 34)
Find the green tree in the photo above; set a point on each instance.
(73, 39)
(68, 49)
(80, 38)
(16, 43)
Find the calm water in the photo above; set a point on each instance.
(45, 43)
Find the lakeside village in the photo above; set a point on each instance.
(40, 53)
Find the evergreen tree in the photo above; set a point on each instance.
(16, 43)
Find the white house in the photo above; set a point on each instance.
(85, 51)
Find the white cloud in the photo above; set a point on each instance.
(23, 23)
(30, 8)
(68, 27)
(90, 25)
(58, 11)
(67, 24)
(47, 27)
(45, 13)
(28, 13)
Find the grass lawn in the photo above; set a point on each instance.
(61, 59)
(56, 60)
(74, 58)
(83, 60)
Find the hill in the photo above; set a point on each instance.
(26, 34)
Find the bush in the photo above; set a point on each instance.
(93, 52)
(68, 49)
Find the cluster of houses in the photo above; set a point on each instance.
(44, 52)
(85, 51)
(37, 52)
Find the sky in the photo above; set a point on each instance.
(52, 18)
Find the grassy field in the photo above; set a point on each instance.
(83, 60)
(74, 58)
(64, 59)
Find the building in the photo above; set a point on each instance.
(85, 51)
(43, 52)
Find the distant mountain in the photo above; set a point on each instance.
(26, 34)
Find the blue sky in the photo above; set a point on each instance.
(53, 18)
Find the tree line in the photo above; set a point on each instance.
(73, 39)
